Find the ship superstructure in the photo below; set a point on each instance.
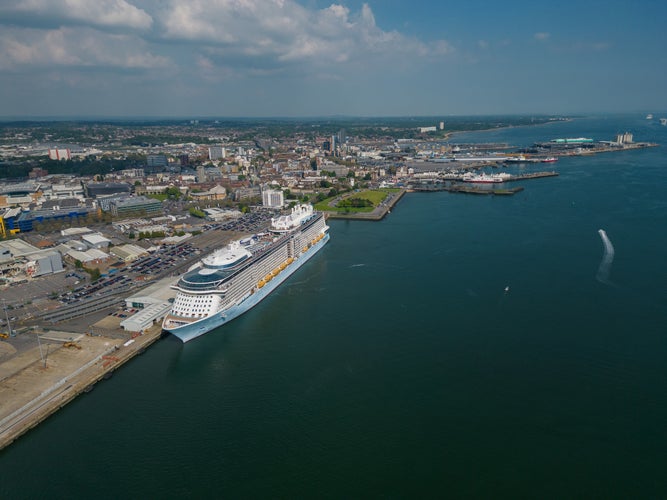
(235, 278)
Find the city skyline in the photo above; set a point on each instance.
(258, 58)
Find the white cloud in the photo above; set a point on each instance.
(542, 36)
(103, 13)
(74, 47)
(284, 31)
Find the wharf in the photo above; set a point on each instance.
(33, 386)
(466, 189)
(533, 175)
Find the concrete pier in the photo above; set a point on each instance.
(33, 385)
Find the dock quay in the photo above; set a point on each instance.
(464, 188)
(33, 385)
(532, 175)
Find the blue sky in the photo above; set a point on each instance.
(317, 58)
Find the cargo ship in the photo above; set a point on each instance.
(233, 279)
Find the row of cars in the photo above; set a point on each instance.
(101, 285)
(249, 223)
(155, 263)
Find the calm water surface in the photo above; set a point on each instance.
(395, 364)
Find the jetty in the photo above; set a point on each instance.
(465, 188)
(532, 175)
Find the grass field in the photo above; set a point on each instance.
(375, 196)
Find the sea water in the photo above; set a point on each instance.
(463, 346)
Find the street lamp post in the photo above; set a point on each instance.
(9, 326)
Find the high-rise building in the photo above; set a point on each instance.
(272, 198)
(216, 152)
(342, 136)
(156, 161)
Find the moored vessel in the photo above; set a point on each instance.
(486, 178)
(232, 280)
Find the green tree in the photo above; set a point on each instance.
(173, 192)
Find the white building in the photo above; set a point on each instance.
(216, 153)
(272, 198)
(59, 154)
(157, 293)
(95, 240)
(146, 318)
(128, 253)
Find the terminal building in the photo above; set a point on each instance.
(146, 318)
(153, 302)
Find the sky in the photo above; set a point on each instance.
(302, 58)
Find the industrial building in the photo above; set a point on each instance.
(42, 263)
(128, 253)
(27, 220)
(8, 224)
(92, 256)
(219, 214)
(146, 318)
(18, 256)
(95, 241)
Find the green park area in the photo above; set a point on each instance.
(356, 201)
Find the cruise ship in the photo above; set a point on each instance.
(233, 279)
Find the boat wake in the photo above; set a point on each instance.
(607, 258)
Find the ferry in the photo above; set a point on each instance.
(486, 178)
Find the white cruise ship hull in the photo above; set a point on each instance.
(195, 329)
